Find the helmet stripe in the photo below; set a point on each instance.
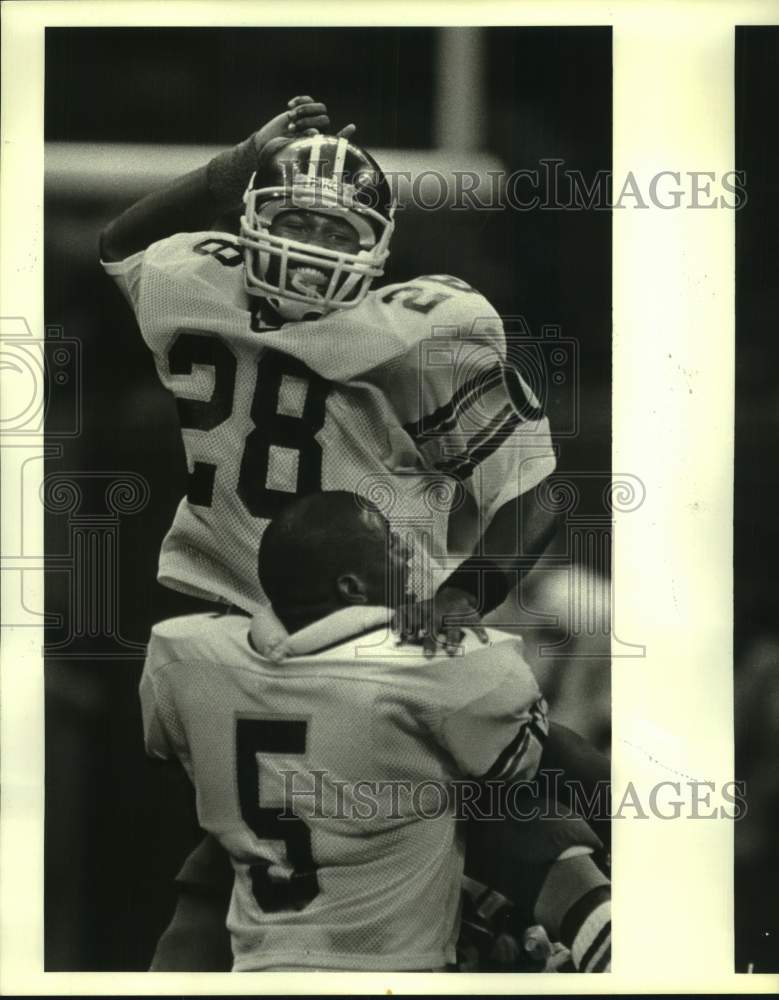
(313, 163)
(340, 158)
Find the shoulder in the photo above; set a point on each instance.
(438, 300)
(432, 295)
(477, 670)
(201, 251)
(191, 637)
(487, 665)
(499, 666)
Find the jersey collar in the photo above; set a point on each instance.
(272, 641)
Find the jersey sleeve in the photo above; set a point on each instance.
(480, 421)
(182, 281)
(153, 711)
(127, 275)
(498, 733)
(162, 730)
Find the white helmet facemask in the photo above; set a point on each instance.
(302, 279)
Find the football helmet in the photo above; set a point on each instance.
(331, 176)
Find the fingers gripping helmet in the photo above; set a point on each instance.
(328, 175)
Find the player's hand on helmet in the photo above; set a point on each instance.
(303, 116)
(229, 172)
(439, 622)
(307, 116)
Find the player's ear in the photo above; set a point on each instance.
(351, 589)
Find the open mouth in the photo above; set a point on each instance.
(308, 280)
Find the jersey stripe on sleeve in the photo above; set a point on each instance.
(482, 445)
(521, 756)
(446, 416)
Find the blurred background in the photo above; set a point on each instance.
(756, 553)
(127, 109)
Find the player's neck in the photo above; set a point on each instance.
(298, 618)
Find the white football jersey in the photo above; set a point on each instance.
(330, 777)
(401, 399)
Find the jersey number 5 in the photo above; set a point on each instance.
(287, 410)
(274, 736)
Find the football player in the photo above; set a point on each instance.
(326, 764)
(293, 374)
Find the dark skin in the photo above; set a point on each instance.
(523, 525)
(317, 229)
(384, 554)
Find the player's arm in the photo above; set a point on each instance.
(584, 773)
(523, 526)
(491, 434)
(542, 861)
(194, 201)
(494, 719)
(196, 939)
(566, 751)
(509, 547)
(523, 529)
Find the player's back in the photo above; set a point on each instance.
(361, 868)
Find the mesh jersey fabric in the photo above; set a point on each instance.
(382, 735)
(399, 399)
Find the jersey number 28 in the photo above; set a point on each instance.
(285, 436)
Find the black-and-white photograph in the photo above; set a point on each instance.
(387, 430)
(327, 668)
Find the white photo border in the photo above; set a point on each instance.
(673, 405)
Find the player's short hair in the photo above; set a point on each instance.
(312, 542)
